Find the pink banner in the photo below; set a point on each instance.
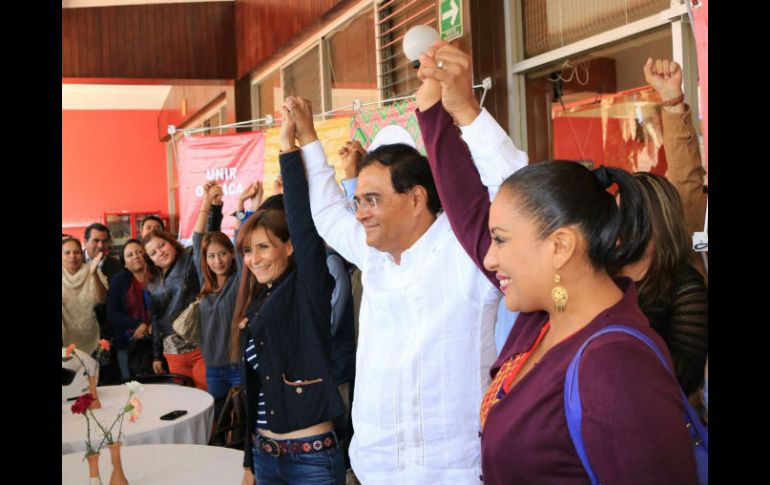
(233, 161)
(700, 13)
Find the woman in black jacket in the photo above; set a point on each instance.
(281, 333)
(129, 313)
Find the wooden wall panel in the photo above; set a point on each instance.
(178, 40)
(539, 96)
(488, 51)
(262, 26)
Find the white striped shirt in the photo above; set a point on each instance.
(251, 358)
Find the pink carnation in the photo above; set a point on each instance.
(136, 410)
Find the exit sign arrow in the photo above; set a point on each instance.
(451, 13)
(450, 19)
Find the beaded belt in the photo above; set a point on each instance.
(295, 446)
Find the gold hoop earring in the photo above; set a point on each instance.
(559, 294)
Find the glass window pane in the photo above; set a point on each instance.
(550, 24)
(120, 229)
(399, 78)
(303, 78)
(270, 96)
(598, 109)
(352, 52)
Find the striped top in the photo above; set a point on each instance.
(680, 316)
(251, 358)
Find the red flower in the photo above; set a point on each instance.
(82, 404)
(105, 344)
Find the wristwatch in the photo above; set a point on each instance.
(240, 215)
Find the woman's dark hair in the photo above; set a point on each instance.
(169, 238)
(668, 234)
(560, 193)
(71, 239)
(408, 168)
(209, 277)
(274, 223)
(275, 201)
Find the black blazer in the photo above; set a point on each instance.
(110, 267)
(291, 329)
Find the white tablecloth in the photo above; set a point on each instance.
(162, 465)
(157, 400)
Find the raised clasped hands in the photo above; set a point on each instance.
(451, 67)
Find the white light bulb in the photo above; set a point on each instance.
(417, 40)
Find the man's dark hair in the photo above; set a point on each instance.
(154, 218)
(408, 168)
(97, 226)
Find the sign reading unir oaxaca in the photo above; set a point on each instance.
(450, 19)
(233, 161)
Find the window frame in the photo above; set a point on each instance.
(317, 41)
(676, 17)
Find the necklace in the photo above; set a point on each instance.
(508, 382)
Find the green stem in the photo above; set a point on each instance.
(107, 434)
(119, 416)
(101, 443)
(89, 448)
(122, 415)
(81, 362)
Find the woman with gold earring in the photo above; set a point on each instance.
(555, 236)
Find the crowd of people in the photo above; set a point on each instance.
(432, 308)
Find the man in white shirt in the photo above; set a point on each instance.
(427, 316)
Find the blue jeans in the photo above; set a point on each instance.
(220, 380)
(325, 467)
(123, 363)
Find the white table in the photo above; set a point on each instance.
(157, 400)
(162, 465)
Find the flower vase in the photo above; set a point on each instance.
(93, 469)
(92, 389)
(117, 477)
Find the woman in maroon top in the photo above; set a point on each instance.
(556, 236)
(128, 314)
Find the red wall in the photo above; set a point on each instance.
(111, 161)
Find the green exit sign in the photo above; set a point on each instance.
(450, 19)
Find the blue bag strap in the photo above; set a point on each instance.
(574, 409)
